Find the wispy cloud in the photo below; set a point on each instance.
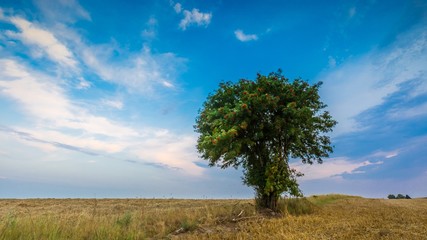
(44, 100)
(334, 167)
(352, 12)
(150, 31)
(66, 10)
(177, 7)
(172, 150)
(193, 17)
(140, 72)
(58, 120)
(45, 41)
(362, 83)
(114, 103)
(408, 113)
(54, 114)
(241, 36)
(83, 83)
(387, 154)
(332, 62)
(28, 137)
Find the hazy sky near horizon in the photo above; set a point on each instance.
(99, 98)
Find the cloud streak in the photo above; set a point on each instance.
(332, 168)
(362, 83)
(33, 35)
(241, 36)
(28, 137)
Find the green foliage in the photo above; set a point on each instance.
(260, 125)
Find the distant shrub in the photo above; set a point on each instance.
(399, 196)
(391, 196)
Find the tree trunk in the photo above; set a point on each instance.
(269, 201)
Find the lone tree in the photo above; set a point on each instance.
(260, 125)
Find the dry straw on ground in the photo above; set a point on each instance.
(328, 217)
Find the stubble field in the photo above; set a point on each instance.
(321, 217)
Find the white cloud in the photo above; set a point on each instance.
(44, 100)
(55, 121)
(362, 83)
(331, 168)
(241, 36)
(33, 35)
(39, 98)
(54, 114)
(169, 149)
(388, 154)
(193, 17)
(167, 84)
(140, 72)
(178, 8)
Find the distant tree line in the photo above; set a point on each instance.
(399, 196)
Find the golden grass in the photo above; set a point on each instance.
(334, 217)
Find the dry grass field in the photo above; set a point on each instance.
(321, 217)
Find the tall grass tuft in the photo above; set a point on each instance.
(125, 220)
(188, 224)
(329, 198)
(296, 206)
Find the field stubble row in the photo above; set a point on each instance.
(326, 217)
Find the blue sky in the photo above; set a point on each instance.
(99, 98)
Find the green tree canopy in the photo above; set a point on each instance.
(260, 125)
